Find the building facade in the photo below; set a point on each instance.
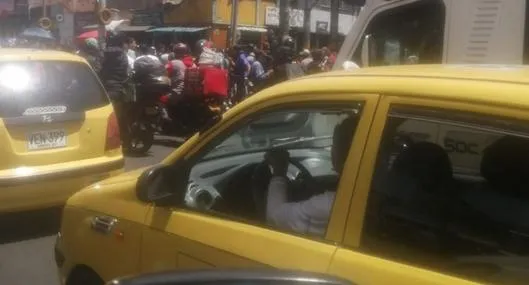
(320, 18)
(215, 16)
(13, 17)
(254, 17)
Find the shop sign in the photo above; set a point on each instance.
(70, 5)
(322, 27)
(272, 17)
(146, 18)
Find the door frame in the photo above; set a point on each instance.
(233, 121)
(355, 219)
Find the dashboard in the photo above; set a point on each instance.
(229, 178)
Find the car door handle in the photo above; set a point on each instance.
(103, 224)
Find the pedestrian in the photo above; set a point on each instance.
(305, 59)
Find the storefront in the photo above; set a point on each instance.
(319, 25)
(13, 17)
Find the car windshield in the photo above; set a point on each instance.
(288, 130)
(32, 87)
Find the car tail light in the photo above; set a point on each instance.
(113, 139)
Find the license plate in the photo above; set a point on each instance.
(151, 111)
(47, 139)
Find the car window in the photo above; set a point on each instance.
(40, 87)
(450, 192)
(410, 34)
(232, 179)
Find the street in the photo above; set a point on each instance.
(26, 241)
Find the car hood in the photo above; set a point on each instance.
(115, 196)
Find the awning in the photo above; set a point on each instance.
(126, 28)
(251, 29)
(177, 29)
(113, 25)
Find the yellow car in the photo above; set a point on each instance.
(58, 129)
(390, 175)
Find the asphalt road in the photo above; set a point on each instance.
(26, 241)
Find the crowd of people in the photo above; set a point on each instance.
(222, 77)
(248, 66)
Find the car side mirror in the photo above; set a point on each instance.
(159, 185)
(366, 50)
(232, 277)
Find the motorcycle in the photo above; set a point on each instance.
(145, 114)
(184, 116)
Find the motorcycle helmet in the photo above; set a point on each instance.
(201, 44)
(91, 44)
(180, 49)
(116, 39)
(147, 49)
(289, 42)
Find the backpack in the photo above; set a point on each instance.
(193, 82)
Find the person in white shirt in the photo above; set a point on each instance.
(148, 51)
(310, 216)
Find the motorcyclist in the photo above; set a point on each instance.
(206, 84)
(151, 82)
(241, 70)
(148, 70)
(147, 51)
(285, 66)
(258, 75)
(114, 75)
(177, 68)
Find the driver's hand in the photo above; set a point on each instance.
(278, 160)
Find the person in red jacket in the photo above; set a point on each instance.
(178, 66)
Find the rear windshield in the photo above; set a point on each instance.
(39, 87)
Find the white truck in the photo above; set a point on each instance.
(390, 32)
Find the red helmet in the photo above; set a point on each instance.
(180, 49)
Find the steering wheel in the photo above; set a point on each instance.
(299, 188)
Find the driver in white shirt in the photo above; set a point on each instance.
(310, 216)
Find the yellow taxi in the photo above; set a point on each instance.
(58, 129)
(389, 175)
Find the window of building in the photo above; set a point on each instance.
(408, 34)
(451, 193)
(233, 178)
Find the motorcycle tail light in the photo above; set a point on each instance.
(164, 99)
(113, 139)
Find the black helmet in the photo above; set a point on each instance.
(201, 44)
(288, 41)
(180, 49)
(116, 39)
(147, 49)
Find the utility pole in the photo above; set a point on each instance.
(44, 9)
(284, 18)
(234, 21)
(309, 5)
(306, 23)
(335, 14)
(102, 30)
